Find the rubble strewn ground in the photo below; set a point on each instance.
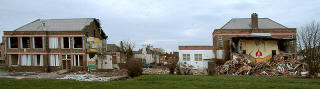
(85, 77)
(277, 66)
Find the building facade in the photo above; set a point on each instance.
(55, 44)
(261, 38)
(196, 56)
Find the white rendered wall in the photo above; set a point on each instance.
(200, 65)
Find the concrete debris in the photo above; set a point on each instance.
(277, 66)
(155, 71)
(85, 77)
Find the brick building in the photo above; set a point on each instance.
(259, 37)
(55, 44)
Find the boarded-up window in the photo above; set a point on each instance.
(25, 42)
(13, 59)
(77, 42)
(13, 42)
(37, 42)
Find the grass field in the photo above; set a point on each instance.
(168, 81)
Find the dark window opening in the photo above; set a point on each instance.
(65, 42)
(77, 43)
(38, 42)
(274, 52)
(244, 52)
(13, 42)
(91, 55)
(25, 42)
(14, 59)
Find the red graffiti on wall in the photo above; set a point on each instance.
(259, 54)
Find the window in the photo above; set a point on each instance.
(38, 60)
(53, 42)
(25, 60)
(290, 36)
(13, 59)
(25, 42)
(186, 57)
(244, 52)
(77, 42)
(274, 52)
(198, 57)
(66, 56)
(37, 42)
(65, 42)
(54, 60)
(78, 60)
(220, 41)
(13, 42)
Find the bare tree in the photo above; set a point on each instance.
(126, 48)
(308, 46)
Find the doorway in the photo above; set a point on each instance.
(66, 62)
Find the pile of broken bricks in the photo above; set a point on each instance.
(241, 64)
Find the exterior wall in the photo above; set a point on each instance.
(200, 65)
(227, 34)
(105, 63)
(264, 46)
(46, 51)
(147, 57)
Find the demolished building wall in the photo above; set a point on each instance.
(56, 53)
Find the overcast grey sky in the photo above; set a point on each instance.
(162, 23)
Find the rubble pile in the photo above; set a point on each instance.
(85, 77)
(155, 71)
(277, 66)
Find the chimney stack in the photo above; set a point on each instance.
(254, 21)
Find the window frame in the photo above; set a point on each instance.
(73, 43)
(34, 46)
(35, 60)
(62, 43)
(10, 60)
(56, 60)
(76, 60)
(57, 42)
(9, 43)
(21, 42)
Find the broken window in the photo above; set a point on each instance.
(38, 60)
(77, 42)
(198, 57)
(54, 60)
(244, 52)
(65, 42)
(186, 57)
(13, 59)
(77, 60)
(26, 60)
(53, 42)
(25, 42)
(274, 52)
(37, 42)
(13, 42)
(220, 41)
(66, 56)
